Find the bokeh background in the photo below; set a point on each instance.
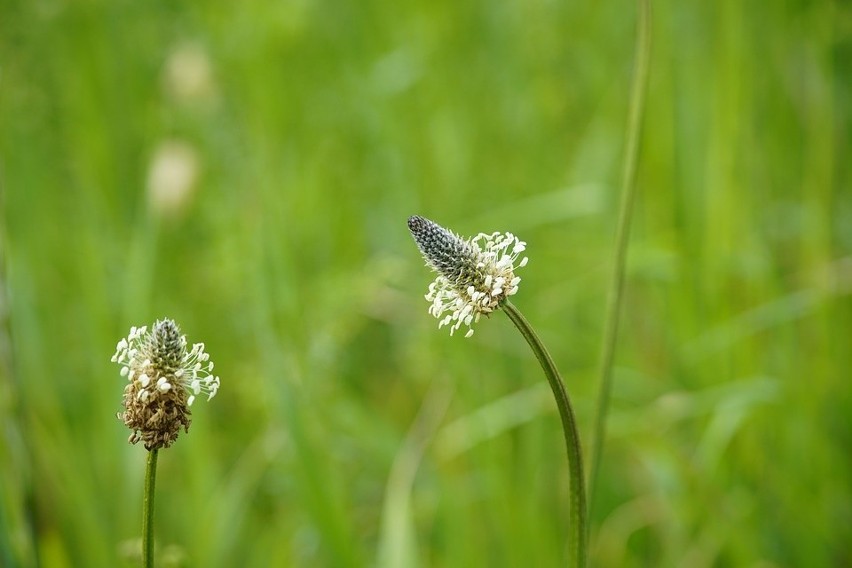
(248, 168)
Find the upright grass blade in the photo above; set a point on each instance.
(148, 510)
(577, 506)
(628, 194)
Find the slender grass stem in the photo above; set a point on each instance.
(628, 194)
(148, 511)
(577, 505)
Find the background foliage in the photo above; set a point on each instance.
(247, 169)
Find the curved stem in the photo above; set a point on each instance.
(577, 506)
(148, 511)
(628, 194)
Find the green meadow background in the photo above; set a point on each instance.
(247, 169)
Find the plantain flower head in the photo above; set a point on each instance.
(163, 380)
(475, 276)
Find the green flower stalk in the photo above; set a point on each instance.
(476, 276)
(163, 380)
(636, 110)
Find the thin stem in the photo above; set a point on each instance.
(577, 505)
(628, 194)
(148, 511)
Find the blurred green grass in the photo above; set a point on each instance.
(349, 431)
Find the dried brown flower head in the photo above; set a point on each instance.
(163, 381)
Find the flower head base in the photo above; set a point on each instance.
(163, 382)
(475, 276)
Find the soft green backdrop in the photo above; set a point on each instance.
(247, 169)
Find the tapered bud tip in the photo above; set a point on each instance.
(416, 223)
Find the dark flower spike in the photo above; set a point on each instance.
(475, 276)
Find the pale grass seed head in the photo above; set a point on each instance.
(474, 276)
(163, 380)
